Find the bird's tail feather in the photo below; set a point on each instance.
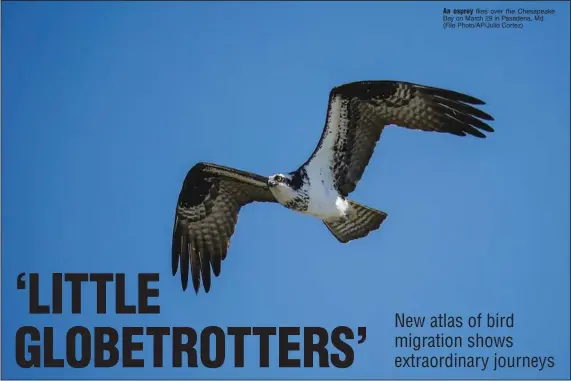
(359, 223)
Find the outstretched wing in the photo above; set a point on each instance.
(359, 111)
(206, 215)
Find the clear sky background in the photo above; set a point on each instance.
(106, 106)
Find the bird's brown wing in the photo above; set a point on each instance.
(358, 112)
(206, 216)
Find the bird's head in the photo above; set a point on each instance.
(279, 180)
(282, 187)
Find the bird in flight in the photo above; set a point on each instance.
(358, 112)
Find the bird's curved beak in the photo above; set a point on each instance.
(272, 183)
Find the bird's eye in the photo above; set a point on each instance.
(279, 178)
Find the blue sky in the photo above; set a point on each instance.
(105, 107)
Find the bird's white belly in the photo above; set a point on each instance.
(325, 203)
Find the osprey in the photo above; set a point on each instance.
(212, 195)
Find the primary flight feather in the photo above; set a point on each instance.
(212, 195)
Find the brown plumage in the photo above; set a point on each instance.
(206, 215)
(367, 107)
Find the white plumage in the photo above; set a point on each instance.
(325, 202)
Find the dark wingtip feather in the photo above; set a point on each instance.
(174, 264)
(463, 116)
(205, 270)
(473, 131)
(184, 263)
(195, 266)
(481, 125)
(184, 276)
(216, 265)
(454, 132)
(460, 103)
(184, 281)
(462, 108)
(196, 283)
(482, 115)
(175, 257)
(450, 94)
(463, 123)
